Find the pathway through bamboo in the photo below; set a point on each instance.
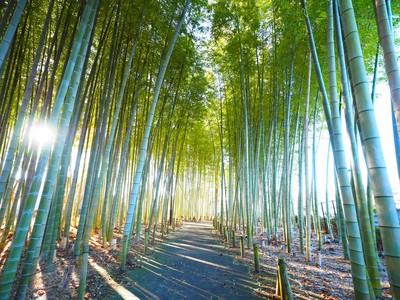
(192, 264)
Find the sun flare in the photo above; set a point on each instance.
(41, 134)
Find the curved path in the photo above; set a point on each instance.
(192, 264)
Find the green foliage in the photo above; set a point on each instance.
(227, 81)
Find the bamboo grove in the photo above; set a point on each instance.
(124, 116)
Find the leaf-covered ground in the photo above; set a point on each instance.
(331, 280)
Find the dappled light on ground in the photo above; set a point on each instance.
(122, 292)
(192, 264)
(332, 280)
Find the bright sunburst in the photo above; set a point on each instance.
(41, 134)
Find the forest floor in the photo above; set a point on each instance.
(331, 280)
(192, 264)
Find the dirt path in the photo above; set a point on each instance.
(192, 264)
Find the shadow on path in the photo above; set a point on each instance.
(192, 264)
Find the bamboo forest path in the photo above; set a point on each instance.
(192, 264)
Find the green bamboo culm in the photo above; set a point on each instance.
(283, 284)
(145, 141)
(358, 186)
(33, 251)
(9, 168)
(146, 241)
(86, 227)
(153, 238)
(247, 170)
(10, 32)
(371, 143)
(256, 258)
(23, 226)
(386, 38)
(341, 225)
(358, 268)
(241, 246)
(7, 163)
(307, 227)
(226, 235)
